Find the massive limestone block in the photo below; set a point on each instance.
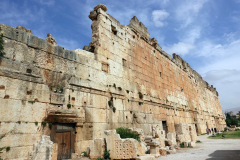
(97, 148)
(123, 148)
(50, 39)
(102, 6)
(42, 83)
(185, 132)
(42, 150)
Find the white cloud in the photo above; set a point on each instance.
(180, 48)
(219, 75)
(187, 12)
(187, 42)
(227, 50)
(158, 16)
(222, 69)
(14, 15)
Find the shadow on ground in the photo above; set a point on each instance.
(225, 155)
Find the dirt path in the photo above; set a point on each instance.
(210, 149)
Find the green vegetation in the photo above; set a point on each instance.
(36, 123)
(50, 125)
(198, 141)
(69, 106)
(8, 148)
(230, 135)
(44, 124)
(114, 109)
(106, 154)
(140, 103)
(127, 133)
(119, 88)
(100, 158)
(2, 53)
(127, 91)
(84, 154)
(32, 102)
(231, 119)
(114, 85)
(182, 145)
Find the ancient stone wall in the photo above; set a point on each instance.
(124, 79)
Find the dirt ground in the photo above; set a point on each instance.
(210, 149)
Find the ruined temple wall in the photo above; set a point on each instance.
(178, 86)
(125, 64)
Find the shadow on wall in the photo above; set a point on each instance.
(225, 155)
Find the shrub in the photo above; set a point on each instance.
(69, 106)
(106, 154)
(114, 109)
(8, 149)
(50, 125)
(126, 133)
(44, 124)
(100, 158)
(182, 145)
(114, 85)
(110, 103)
(127, 91)
(84, 154)
(36, 123)
(119, 88)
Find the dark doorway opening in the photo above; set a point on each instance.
(64, 135)
(165, 128)
(196, 128)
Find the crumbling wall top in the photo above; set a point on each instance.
(139, 27)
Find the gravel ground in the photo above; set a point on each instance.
(210, 149)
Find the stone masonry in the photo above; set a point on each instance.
(123, 78)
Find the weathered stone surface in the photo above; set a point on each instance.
(163, 151)
(102, 6)
(97, 148)
(123, 148)
(43, 149)
(50, 39)
(122, 79)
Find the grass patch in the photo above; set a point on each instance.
(106, 154)
(127, 133)
(198, 141)
(230, 135)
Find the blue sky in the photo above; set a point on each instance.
(204, 32)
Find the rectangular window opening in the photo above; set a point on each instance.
(105, 67)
